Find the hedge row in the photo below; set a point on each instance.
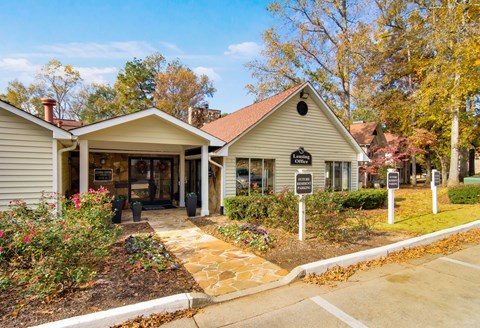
(330, 215)
(258, 206)
(468, 194)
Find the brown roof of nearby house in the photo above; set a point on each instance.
(233, 125)
(391, 136)
(363, 132)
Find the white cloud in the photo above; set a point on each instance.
(244, 49)
(96, 74)
(126, 49)
(18, 65)
(208, 71)
(172, 46)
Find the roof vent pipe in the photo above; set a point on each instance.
(48, 104)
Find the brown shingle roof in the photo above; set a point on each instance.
(233, 125)
(363, 132)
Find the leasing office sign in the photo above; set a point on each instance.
(300, 157)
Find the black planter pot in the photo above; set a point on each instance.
(117, 205)
(137, 213)
(191, 205)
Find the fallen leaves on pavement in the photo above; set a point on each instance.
(445, 246)
(156, 320)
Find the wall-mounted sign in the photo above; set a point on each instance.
(300, 157)
(102, 176)
(393, 180)
(303, 183)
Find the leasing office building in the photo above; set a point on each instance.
(155, 158)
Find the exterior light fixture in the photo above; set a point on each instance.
(303, 94)
(103, 161)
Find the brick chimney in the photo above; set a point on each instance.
(48, 104)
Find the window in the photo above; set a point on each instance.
(337, 176)
(255, 175)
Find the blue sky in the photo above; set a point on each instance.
(212, 37)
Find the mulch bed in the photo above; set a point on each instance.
(115, 285)
(289, 252)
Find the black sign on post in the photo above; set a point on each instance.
(300, 157)
(303, 183)
(436, 178)
(393, 180)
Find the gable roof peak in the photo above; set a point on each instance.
(230, 127)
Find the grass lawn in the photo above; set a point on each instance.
(413, 212)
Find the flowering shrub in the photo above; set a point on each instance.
(148, 252)
(283, 211)
(248, 235)
(45, 253)
(327, 215)
(328, 219)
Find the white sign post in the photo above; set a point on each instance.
(435, 182)
(393, 182)
(303, 187)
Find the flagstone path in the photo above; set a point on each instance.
(218, 267)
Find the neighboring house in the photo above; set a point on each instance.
(155, 158)
(370, 137)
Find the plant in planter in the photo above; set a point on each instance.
(191, 204)
(118, 203)
(137, 211)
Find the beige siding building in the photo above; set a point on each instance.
(28, 153)
(261, 138)
(154, 158)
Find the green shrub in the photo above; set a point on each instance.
(468, 194)
(236, 207)
(283, 211)
(327, 215)
(46, 253)
(366, 199)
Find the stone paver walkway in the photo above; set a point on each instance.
(218, 267)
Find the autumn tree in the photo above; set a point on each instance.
(96, 102)
(58, 82)
(452, 71)
(177, 88)
(315, 41)
(135, 83)
(25, 97)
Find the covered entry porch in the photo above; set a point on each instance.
(142, 156)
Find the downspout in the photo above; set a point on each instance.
(221, 184)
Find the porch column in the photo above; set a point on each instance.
(83, 165)
(182, 179)
(204, 210)
(222, 184)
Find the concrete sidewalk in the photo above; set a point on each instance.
(218, 267)
(435, 291)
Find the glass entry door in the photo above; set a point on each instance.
(150, 180)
